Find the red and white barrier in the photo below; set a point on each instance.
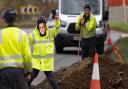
(95, 82)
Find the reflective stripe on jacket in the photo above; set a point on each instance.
(43, 48)
(15, 49)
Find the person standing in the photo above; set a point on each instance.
(86, 23)
(42, 44)
(15, 55)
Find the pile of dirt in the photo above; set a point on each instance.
(113, 75)
(73, 77)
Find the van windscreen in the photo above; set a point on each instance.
(75, 7)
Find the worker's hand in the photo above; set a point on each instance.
(56, 17)
(81, 21)
(28, 77)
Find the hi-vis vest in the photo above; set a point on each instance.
(89, 28)
(43, 49)
(14, 49)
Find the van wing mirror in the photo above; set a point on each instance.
(106, 15)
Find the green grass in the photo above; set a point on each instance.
(123, 47)
(119, 26)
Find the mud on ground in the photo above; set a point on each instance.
(113, 75)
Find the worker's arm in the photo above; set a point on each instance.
(30, 39)
(54, 31)
(77, 25)
(57, 27)
(27, 54)
(91, 25)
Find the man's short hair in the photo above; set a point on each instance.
(87, 6)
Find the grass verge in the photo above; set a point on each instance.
(123, 27)
(123, 47)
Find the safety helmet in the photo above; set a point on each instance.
(9, 16)
(10, 13)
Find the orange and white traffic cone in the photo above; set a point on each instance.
(109, 40)
(109, 43)
(95, 82)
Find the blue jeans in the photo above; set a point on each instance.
(49, 76)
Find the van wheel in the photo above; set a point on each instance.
(59, 49)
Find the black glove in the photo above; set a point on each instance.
(86, 19)
(53, 13)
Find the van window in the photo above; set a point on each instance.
(75, 7)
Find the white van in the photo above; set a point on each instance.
(69, 10)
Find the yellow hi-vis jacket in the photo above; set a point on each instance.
(15, 49)
(89, 28)
(43, 47)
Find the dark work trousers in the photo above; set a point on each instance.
(13, 78)
(100, 45)
(88, 46)
(49, 76)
